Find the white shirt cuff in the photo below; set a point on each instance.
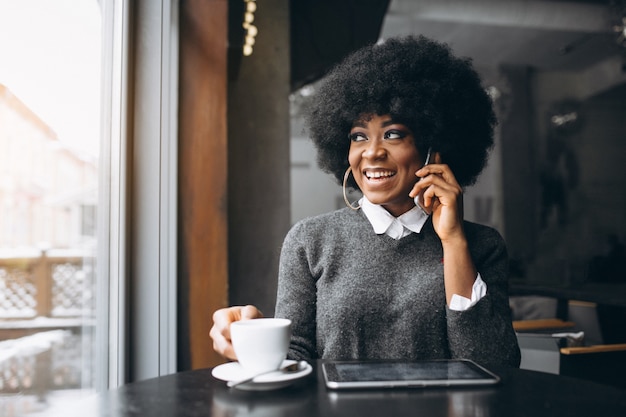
(460, 303)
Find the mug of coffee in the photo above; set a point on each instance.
(261, 345)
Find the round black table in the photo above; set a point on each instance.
(520, 393)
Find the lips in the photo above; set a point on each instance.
(378, 174)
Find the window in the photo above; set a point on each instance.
(50, 141)
(79, 234)
(88, 220)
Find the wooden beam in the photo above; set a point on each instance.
(203, 258)
(541, 324)
(618, 347)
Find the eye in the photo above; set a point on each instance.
(395, 134)
(357, 137)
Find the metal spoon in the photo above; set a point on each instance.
(294, 367)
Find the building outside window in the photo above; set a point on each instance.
(50, 106)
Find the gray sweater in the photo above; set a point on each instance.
(353, 294)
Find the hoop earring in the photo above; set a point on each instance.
(345, 197)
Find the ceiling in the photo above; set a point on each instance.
(546, 35)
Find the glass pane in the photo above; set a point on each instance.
(49, 142)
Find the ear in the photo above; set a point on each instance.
(436, 158)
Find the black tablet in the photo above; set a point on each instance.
(388, 374)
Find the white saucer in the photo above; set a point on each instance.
(232, 371)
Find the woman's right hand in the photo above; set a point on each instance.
(220, 332)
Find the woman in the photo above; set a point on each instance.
(386, 278)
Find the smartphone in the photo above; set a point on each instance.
(419, 199)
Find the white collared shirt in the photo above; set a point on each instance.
(412, 222)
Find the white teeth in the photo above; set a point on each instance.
(379, 174)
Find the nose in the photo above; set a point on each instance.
(374, 150)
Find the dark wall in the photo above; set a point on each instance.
(578, 182)
(518, 172)
(258, 160)
(323, 32)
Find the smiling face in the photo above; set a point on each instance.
(384, 159)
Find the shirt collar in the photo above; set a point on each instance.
(382, 220)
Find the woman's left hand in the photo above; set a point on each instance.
(444, 196)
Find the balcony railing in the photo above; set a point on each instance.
(47, 316)
(48, 285)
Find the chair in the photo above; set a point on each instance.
(543, 325)
(555, 346)
(600, 363)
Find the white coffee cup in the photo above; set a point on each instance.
(261, 345)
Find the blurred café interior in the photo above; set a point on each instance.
(204, 164)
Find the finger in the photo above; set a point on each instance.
(441, 170)
(430, 199)
(428, 177)
(225, 349)
(222, 319)
(250, 312)
(229, 353)
(428, 206)
(220, 332)
(421, 184)
(222, 345)
(442, 193)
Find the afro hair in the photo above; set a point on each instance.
(421, 84)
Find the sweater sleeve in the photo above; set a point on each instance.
(484, 332)
(296, 295)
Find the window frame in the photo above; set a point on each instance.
(136, 337)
